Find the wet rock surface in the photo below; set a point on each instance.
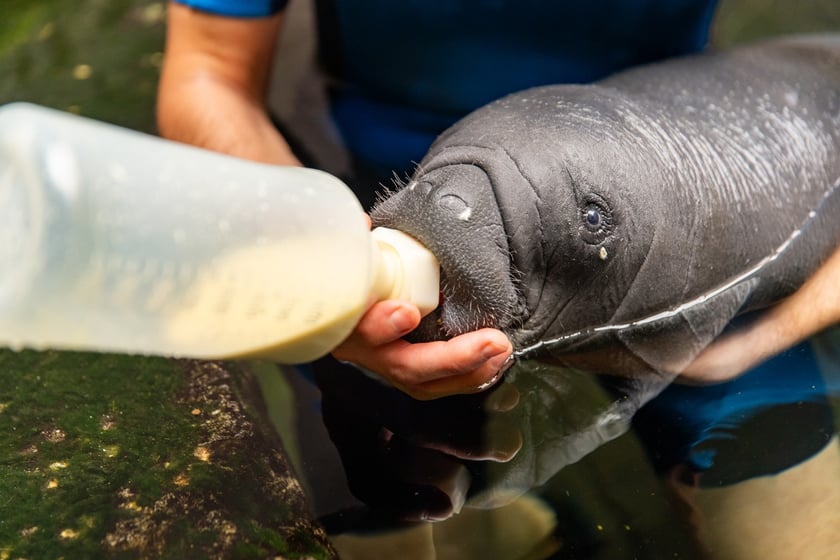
(111, 456)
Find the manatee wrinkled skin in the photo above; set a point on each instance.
(642, 212)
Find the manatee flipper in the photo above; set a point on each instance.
(671, 342)
(636, 361)
(663, 343)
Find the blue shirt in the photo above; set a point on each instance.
(237, 8)
(408, 69)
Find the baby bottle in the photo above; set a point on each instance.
(116, 241)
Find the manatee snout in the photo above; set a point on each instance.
(453, 211)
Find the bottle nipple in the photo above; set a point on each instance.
(404, 269)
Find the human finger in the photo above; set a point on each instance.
(385, 322)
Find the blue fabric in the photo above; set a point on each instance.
(411, 68)
(237, 8)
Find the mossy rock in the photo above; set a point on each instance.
(120, 456)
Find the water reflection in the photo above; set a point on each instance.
(557, 462)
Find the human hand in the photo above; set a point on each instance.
(464, 364)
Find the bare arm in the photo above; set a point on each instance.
(465, 364)
(213, 85)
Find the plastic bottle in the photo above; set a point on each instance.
(117, 241)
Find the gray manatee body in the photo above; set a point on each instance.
(627, 222)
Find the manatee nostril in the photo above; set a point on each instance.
(422, 188)
(453, 203)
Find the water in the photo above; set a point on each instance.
(553, 463)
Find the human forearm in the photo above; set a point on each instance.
(213, 85)
(242, 129)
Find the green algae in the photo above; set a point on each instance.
(121, 456)
(43, 43)
(76, 429)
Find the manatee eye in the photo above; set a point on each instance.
(596, 222)
(592, 218)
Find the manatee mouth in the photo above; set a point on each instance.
(453, 211)
(459, 312)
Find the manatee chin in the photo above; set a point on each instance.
(452, 210)
(459, 312)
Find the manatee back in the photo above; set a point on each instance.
(752, 136)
